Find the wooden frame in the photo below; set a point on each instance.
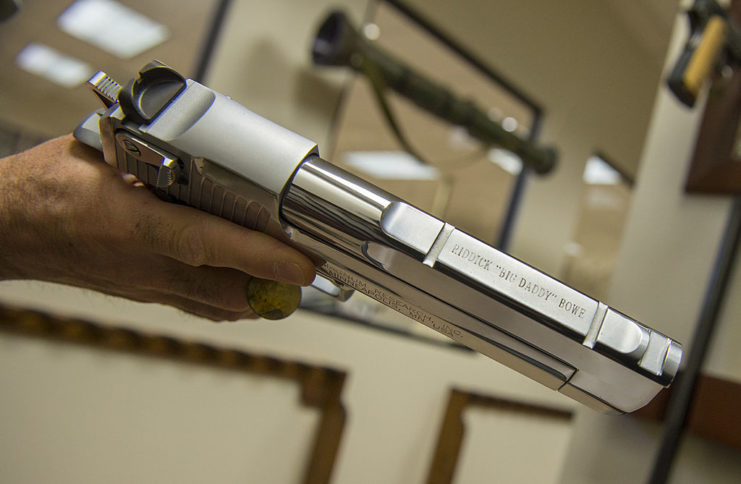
(716, 162)
(320, 387)
(452, 430)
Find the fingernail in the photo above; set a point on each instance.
(290, 272)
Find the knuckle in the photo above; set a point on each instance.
(181, 240)
(189, 246)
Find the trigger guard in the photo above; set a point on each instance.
(334, 289)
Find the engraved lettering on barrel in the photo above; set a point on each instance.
(572, 308)
(392, 301)
(506, 274)
(471, 256)
(445, 329)
(536, 289)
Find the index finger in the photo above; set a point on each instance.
(198, 238)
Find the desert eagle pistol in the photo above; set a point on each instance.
(198, 147)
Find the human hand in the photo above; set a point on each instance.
(68, 217)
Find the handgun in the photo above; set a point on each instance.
(195, 146)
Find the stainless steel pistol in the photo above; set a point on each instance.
(198, 147)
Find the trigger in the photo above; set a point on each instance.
(321, 283)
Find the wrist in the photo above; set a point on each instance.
(9, 223)
(30, 214)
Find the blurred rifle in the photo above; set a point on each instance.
(338, 43)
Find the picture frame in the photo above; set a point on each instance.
(320, 388)
(449, 447)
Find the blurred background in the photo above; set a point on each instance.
(353, 392)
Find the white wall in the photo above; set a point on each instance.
(74, 414)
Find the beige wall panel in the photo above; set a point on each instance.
(74, 414)
(490, 454)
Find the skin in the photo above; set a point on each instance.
(68, 217)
